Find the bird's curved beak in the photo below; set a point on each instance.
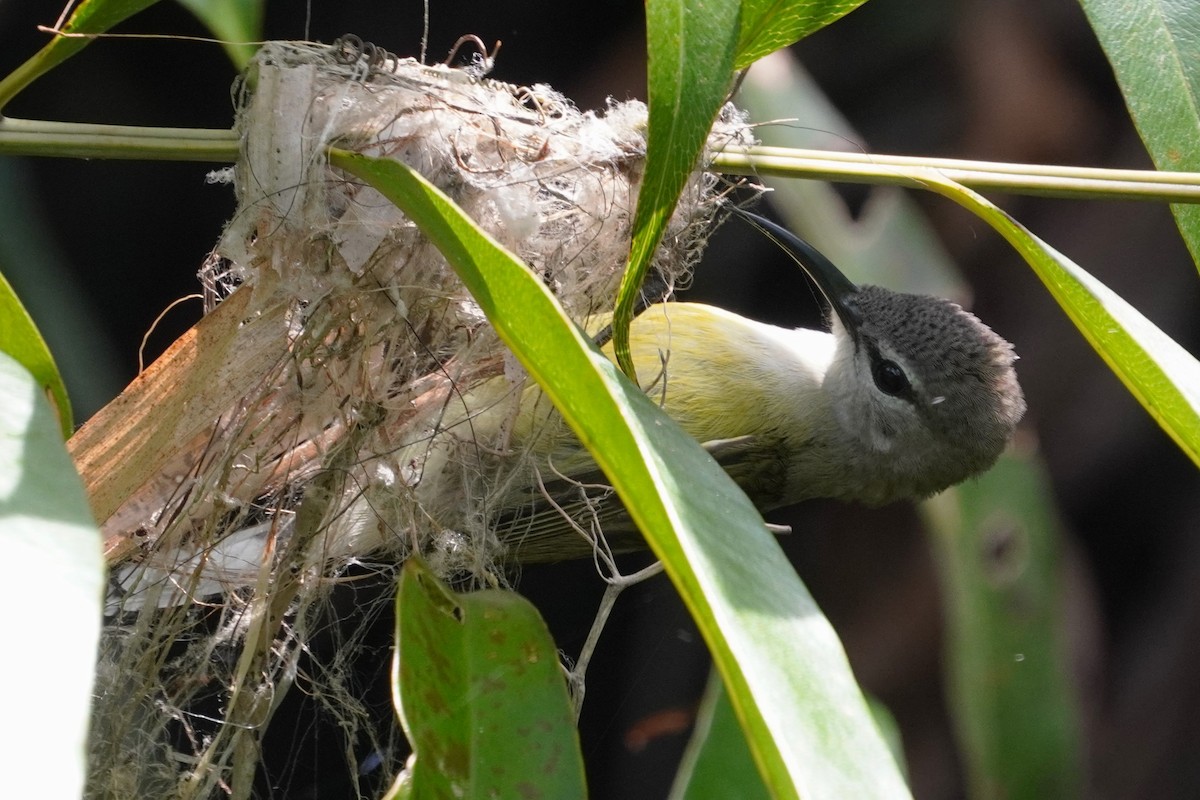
(837, 288)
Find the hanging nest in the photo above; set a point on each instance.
(345, 403)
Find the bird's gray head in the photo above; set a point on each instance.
(926, 390)
(924, 394)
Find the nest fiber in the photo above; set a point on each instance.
(382, 422)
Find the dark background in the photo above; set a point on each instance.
(98, 249)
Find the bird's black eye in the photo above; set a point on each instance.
(889, 378)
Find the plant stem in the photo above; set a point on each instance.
(80, 140)
(1053, 181)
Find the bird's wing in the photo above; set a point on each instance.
(573, 515)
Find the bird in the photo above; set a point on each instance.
(902, 397)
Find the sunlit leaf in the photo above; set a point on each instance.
(806, 720)
(767, 25)
(1163, 376)
(89, 17)
(1155, 54)
(688, 73)
(693, 51)
(51, 551)
(20, 338)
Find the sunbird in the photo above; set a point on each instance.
(903, 397)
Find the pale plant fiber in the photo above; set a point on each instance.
(383, 426)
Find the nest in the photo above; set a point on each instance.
(371, 409)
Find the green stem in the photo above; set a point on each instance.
(80, 140)
(1053, 181)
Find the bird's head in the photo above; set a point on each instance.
(925, 389)
(924, 394)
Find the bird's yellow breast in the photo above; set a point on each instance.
(720, 375)
(717, 374)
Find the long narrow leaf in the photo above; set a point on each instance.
(689, 70)
(1155, 54)
(694, 49)
(90, 17)
(768, 25)
(999, 556)
(805, 717)
(237, 23)
(717, 763)
(51, 551)
(1163, 376)
(20, 338)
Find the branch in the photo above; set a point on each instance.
(79, 140)
(1034, 179)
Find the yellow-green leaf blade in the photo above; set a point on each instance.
(51, 550)
(1155, 54)
(693, 51)
(767, 25)
(89, 17)
(20, 338)
(237, 23)
(806, 720)
(688, 73)
(1163, 376)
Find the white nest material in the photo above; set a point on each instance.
(380, 344)
(365, 439)
(554, 185)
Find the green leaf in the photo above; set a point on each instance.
(237, 23)
(767, 25)
(806, 720)
(888, 242)
(1155, 54)
(997, 544)
(888, 729)
(693, 50)
(718, 763)
(20, 338)
(688, 73)
(51, 550)
(1163, 376)
(478, 687)
(90, 17)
